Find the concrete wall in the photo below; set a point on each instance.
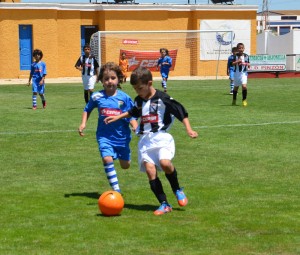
(56, 30)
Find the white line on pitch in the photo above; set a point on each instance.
(197, 127)
(40, 132)
(253, 124)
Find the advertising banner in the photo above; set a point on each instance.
(147, 59)
(216, 44)
(263, 63)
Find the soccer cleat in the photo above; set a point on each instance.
(234, 102)
(164, 208)
(231, 92)
(33, 107)
(245, 103)
(165, 90)
(181, 197)
(44, 104)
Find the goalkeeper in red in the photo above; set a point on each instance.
(156, 147)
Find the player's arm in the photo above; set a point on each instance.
(189, 130)
(29, 80)
(79, 64)
(85, 117)
(133, 124)
(110, 119)
(178, 110)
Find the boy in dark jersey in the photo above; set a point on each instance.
(156, 147)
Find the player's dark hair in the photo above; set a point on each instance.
(111, 66)
(86, 46)
(234, 49)
(166, 50)
(37, 52)
(140, 75)
(240, 44)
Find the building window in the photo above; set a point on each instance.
(284, 30)
(288, 17)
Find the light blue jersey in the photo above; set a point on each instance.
(38, 70)
(165, 69)
(113, 138)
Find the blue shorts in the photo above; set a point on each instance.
(36, 88)
(165, 75)
(115, 151)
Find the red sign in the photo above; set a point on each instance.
(147, 59)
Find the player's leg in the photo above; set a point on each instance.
(166, 154)
(164, 81)
(124, 155)
(231, 79)
(34, 95)
(237, 83)
(108, 155)
(111, 173)
(85, 82)
(91, 86)
(146, 161)
(41, 90)
(157, 189)
(244, 94)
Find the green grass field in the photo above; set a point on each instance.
(241, 176)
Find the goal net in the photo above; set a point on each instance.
(195, 53)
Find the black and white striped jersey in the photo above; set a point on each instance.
(243, 67)
(89, 65)
(157, 113)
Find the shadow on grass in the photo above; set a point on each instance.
(94, 195)
(141, 207)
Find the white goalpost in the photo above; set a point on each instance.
(195, 53)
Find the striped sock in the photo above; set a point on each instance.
(164, 84)
(34, 100)
(111, 175)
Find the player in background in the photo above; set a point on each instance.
(230, 69)
(88, 65)
(241, 64)
(113, 140)
(38, 73)
(123, 63)
(156, 147)
(164, 64)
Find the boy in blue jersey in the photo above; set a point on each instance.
(38, 73)
(164, 63)
(156, 147)
(113, 140)
(230, 69)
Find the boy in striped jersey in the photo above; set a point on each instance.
(156, 147)
(113, 140)
(241, 64)
(88, 66)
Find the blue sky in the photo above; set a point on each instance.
(273, 4)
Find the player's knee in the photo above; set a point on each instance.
(166, 165)
(125, 164)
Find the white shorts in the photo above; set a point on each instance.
(154, 147)
(88, 81)
(240, 79)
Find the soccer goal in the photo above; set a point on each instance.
(195, 53)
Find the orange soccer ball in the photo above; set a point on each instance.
(111, 203)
